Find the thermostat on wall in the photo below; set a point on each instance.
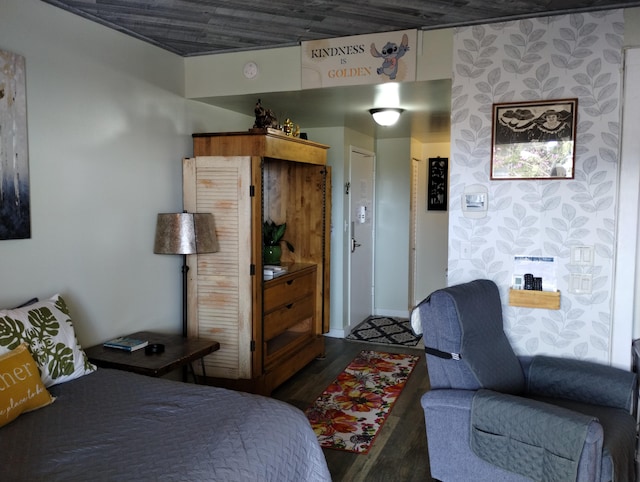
(475, 200)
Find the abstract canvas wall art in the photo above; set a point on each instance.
(15, 216)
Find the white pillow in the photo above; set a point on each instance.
(47, 330)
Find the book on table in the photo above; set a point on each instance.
(273, 271)
(126, 343)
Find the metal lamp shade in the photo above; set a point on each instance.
(185, 233)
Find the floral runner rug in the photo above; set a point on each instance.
(350, 412)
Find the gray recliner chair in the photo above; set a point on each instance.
(491, 416)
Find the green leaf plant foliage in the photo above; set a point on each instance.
(272, 234)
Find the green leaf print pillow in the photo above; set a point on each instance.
(47, 330)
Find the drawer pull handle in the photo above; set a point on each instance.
(289, 306)
(290, 282)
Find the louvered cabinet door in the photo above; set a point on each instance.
(220, 284)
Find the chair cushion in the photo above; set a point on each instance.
(473, 312)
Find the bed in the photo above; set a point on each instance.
(110, 425)
(114, 425)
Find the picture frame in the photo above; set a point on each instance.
(438, 174)
(534, 140)
(15, 210)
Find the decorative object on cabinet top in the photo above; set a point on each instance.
(266, 118)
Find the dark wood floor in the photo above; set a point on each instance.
(399, 453)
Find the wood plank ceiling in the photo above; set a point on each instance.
(199, 27)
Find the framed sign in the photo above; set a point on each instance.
(534, 140)
(438, 173)
(359, 60)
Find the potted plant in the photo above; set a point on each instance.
(272, 237)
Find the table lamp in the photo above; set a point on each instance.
(185, 233)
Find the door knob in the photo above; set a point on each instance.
(354, 245)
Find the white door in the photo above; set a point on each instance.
(360, 230)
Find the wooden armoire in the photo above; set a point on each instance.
(267, 329)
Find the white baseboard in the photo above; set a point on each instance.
(336, 333)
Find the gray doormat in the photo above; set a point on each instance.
(385, 329)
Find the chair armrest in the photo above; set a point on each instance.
(448, 398)
(531, 437)
(581, 381)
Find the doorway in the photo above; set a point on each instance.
(429, 231)
(361, 222)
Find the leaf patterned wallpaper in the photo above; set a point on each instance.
(559, 57)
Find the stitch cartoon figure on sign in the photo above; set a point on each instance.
(391, 53)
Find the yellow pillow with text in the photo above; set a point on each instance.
(21, 388)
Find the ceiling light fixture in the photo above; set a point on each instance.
(386, 116)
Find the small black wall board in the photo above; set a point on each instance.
(438, 173)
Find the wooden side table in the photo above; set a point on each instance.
(179, 352)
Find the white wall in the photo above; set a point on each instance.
(432, 228)
(391, 275)
(221, 74)
(107, 125)
(279, 69)
(542, 217)
(627, 281)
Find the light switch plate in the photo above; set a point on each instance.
(582, 255)
(580, 284)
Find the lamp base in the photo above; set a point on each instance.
(185, 270)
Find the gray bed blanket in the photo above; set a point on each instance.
(528, 437)
(112, 425)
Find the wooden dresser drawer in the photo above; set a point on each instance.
(288, 315)
(288, 288)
